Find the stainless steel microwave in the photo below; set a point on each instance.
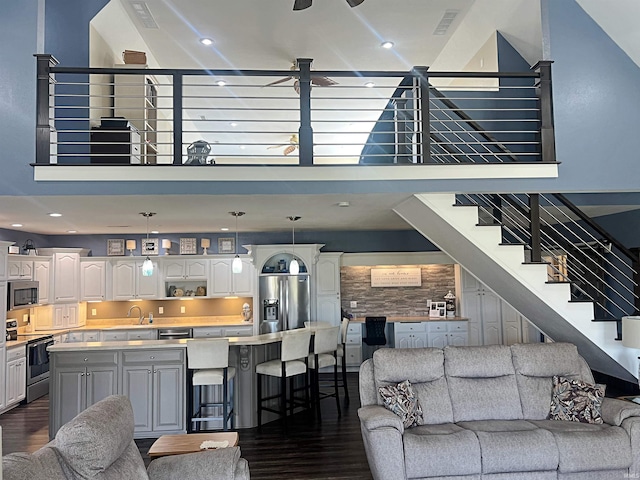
(22, 294)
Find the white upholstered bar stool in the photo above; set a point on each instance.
(292, 362)
(209, 361)
(325, 345)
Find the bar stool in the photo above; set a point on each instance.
(342, 355)
(325, 345)
(209, 361)
(292, 362)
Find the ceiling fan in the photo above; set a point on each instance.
(302, 4)
(290, 147)
(319, 81)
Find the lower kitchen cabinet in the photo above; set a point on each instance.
(215, 332)
(410, 335)
(59, 316)
(16, 375)
(436, 334)
(353, 347)
(154, 381)
(128, 334)
(80, 380)
(83, 336)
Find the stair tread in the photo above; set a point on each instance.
(513, 243)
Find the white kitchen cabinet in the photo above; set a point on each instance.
(129, 283)
(223, 282)
(66, 277)
(93, 280)
(410, 334)
(441, 334)
(328, 305)
(16, 375)
(180, 269)
(152, 379)
(83, 336)
(3, 259)
(207, 332)
(43, 274)
(59, 316)
(20, 268)
(353, 347)
(3, 374)
(128, 334)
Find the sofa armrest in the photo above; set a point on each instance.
(614, 411)
(376, 416)
(220, 464)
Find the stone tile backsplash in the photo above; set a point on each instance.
(355, 284)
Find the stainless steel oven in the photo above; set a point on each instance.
(38, 367)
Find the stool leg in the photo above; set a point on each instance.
(316, 372)
(292, 393)
(344, 376)
(233, 403)
(259, 390)
(335, 386)
(225, 388)
(283, 398)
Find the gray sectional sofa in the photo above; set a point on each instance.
(486, 415)
(98, 443)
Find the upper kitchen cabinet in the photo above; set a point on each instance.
(129, 283)
(327, 270)
(223, 282)
(66, 273)
(20, 268)
(93, 280)
(43, 274)
(179, 269)
(4, 249)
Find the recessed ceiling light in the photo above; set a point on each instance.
(387, 45)
(55, 214)
(225, 229)
(16, 224)
(206, 41)
(343, 204)
(221, 83)
(72, 231)
(155, 232)
(233, 124)
(370, 84)
(242, 147)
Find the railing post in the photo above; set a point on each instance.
(305, 132)
(534, 218)
(177, 118)
(44, 103)
(424, 134)
(545, 113)
(402, 150)
(635, 265)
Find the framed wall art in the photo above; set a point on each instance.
(188, 246)
(150, 246)
(227, 245)
(115, 246)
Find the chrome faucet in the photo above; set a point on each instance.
(141, 319)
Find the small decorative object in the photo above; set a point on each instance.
(178, 292)
(29, 247)
(115, 246)
(14, 249)
(188, 246)
(438, 309)
(201, 291)
(172, 290)
(246, 312)
(212, 444)
(205, 243)
(150, 246)
(226, 245)
(450, 298)
(131, 246)
(198, 152)
(166, 244)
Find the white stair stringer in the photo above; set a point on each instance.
(454, 230)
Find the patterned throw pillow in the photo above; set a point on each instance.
(402, 400)
(576, 401)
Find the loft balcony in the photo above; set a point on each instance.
(138, 124)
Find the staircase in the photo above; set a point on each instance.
(506, 269)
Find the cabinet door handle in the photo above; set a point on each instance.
(88, 374)
(82, 374)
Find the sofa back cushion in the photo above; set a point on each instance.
(536, 364)
(482, 383)
(24, 466)
(424, 368)
(97, 437)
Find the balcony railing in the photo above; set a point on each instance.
(134, 115)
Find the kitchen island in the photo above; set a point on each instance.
(153, 374)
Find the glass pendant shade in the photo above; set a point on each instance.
(294, 267)
(147, 267)
(236, 265)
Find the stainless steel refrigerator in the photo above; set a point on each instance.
(285, 302)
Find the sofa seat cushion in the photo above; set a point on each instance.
(429, 451)
(587, 446)
(514, 446)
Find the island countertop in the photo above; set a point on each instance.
(416, 319)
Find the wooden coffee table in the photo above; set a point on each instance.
(188, 443)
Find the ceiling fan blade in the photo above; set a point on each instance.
(282, 80)
(354, 3)
(323, 81)
(290, 149)
(301, 4)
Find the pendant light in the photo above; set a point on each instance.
(294, 266)
(147, 265)
(236, 265)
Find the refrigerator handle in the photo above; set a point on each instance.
(284, 303)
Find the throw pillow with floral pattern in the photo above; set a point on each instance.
(402, 400)
(576, 401)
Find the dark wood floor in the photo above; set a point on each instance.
(330, 449)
